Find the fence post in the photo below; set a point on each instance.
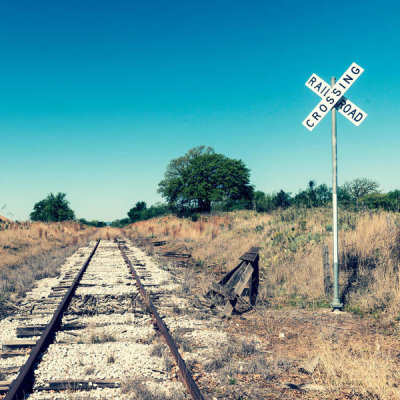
(327, 272)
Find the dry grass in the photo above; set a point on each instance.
(366, 370)
(213, 239)
(31, 251)
(20, 241)
(361, 365)
(291, 252)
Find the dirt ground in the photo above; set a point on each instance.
(269, 346)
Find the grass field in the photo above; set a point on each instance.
(359, 360)
(290, 244)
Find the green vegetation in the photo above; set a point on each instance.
(95, 223)
(54, 208)
(200, 177)
(120, 223)
(140, 212)
(360, 192)
(203, 181)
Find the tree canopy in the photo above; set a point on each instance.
(52, 208)
(360, 187)
(201, 176)
(141, 212)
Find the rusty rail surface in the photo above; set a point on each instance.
(183, 370)
(23, 384)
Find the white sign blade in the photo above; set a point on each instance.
(332, 96)
(347, 108)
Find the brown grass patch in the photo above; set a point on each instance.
(290, 244)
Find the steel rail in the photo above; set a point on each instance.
(183, 370)
(23, 384)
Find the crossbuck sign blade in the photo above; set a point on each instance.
(346, 107)
(332, 96)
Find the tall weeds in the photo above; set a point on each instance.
(290, 244)
(31, 251)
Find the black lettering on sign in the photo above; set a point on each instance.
(347, 108)
(312, 80)
(327, 90)
(307, 122)
(353, 113)
(315, 115)
(330, 100)
(358, 117)
(348, 78)
(318, 86)
(323, 108)
(355, 70)
(336, 92)
(341, 104)
(344, 87)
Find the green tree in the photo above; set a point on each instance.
(120, 223)
(360, 187)
(262, 202)
(394, 197)
(135, 213)
(201, 176)
(282, 199)
(95, 223)
(313, 196)
(52, 208)
(140, 212)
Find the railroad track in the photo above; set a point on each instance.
(97, 330)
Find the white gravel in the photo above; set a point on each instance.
(42, 289)
(112, 346)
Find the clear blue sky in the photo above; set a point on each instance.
(96, 97)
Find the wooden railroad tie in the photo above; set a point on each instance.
(232, 286)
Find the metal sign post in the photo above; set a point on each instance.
(332, 99)
(336, 304)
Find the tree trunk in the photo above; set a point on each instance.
(204, 205)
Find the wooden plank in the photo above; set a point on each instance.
(82, 384)
(178, 255)
(14, 353)
(327, 270)
(9, 370)
(236, 276)
(28, 331)
(18, 344)
(71, 326)
(160, 243)
(41, 312)
(4, 386)
(255, 281)
(229, 274)
(238, 289)
(223, 290)
(250, 255)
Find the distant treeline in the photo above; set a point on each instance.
(203, 181)
(97, 224)
(140, 213)
(355, 195)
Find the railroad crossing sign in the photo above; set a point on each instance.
(332, 96)
(333, 99)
